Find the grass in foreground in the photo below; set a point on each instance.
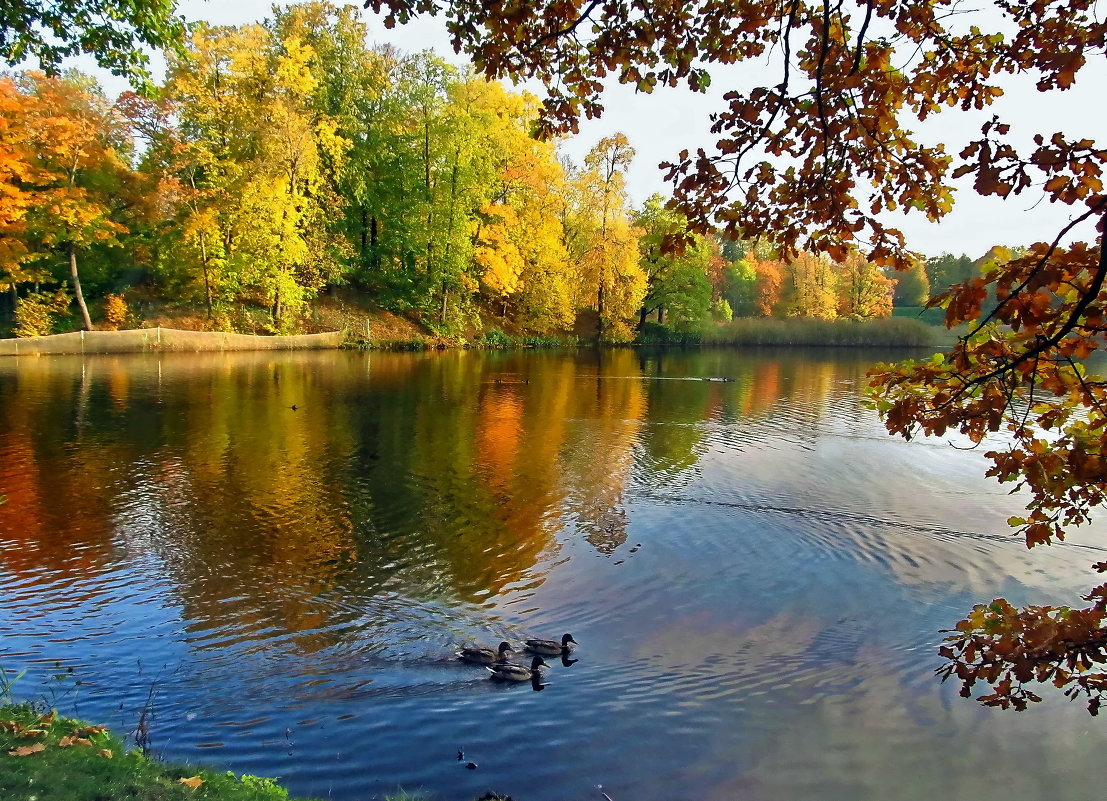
(44, 757)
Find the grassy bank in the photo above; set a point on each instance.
(44, 757)
(760, 332)
(366, 326)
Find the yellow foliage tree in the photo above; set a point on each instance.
(603, 242)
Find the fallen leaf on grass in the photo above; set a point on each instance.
(194, 782)
(27, 750)
(88, 731)
(105, 752)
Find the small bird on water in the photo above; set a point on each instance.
(484, 656)
(507, 671)
(550, 647)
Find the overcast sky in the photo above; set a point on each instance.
(661, 124)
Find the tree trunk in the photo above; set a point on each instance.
(599, 313)
(85, 319)
(442, 311)
(373, 243)
(207, 276)
(365, 234)
(660, 315)
(277, 305)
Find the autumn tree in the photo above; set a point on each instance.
(816, 156)
(77, 143)
(864, 290)
(250, 167)
(770, 285)
(16, 174)
(520, 243)
(605, 244)
(812, 286)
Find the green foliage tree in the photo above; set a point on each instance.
(676, 281)
(944, 271)
(912, 286)
(740, 287)
(114, 33)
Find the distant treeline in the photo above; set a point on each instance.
(285, 158)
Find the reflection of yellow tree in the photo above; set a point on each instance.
(599, 454)
(288, 527)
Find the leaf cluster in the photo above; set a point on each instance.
(114, 33)
(1010, 648)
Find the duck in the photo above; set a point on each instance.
(550, 647)
(484, 656)
(509, 671)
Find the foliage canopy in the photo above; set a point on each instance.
(112, 32)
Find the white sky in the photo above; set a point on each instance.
(661, 124)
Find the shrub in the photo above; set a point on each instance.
(721, 311)
(36, 314)
(660, 334)
(116, 312)
(894, 332)
(497, 339)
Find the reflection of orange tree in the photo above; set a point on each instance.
(518, 434)
(50, 522)
(481, 516)
(412, 473)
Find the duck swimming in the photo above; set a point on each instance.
(508, 671)
(550, 647)
(484, 656)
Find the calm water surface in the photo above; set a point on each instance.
(755, 572)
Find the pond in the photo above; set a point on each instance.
(275, 556)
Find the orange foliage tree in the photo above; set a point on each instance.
(814, 158)
(76, 159)
(15, 172)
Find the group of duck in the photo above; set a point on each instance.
(496, 662)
